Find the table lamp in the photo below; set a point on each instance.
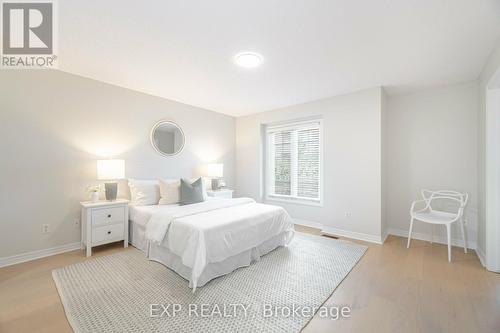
(110, 170)
(215, 171)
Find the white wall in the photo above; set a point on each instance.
(383, 130)
(55, 125)
(432, 144)
(491, 68)
(352, 161)
(491, 257)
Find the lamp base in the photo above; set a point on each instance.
(218, 183)
(111, 190)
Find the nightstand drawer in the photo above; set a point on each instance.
(105, 233)
(106, 216)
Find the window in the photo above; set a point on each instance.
(293, 162)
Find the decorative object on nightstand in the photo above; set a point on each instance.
(93, 191)
(222, 193)
(104, 222)
(216, 171)
(110, 170)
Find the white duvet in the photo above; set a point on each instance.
(215, 230)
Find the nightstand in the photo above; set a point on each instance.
(104, 222)
(223, 193)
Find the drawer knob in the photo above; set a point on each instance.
(109, 232)
(109, 215)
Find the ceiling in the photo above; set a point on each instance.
(312, 49)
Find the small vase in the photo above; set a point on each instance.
(94, 196)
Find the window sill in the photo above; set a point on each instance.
(315, 203)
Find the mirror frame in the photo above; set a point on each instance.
(151, 137)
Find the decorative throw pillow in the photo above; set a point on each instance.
(144, 192)
(192, 192)
(170, 191)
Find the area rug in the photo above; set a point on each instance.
(125, 292)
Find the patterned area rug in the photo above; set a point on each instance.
(125, 292)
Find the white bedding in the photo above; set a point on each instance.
(139, 217)
(142, 214)
(212, 231)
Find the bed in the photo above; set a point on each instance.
(209, 239)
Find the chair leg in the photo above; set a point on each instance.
(409, 234)
(448, 233)
(432, 233)
(464, 238)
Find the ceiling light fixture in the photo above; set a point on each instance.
(248, 59)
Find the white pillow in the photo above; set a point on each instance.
(144, 192)
(170, 190)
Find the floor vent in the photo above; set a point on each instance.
(329, 236)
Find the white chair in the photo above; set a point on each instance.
(430, 215)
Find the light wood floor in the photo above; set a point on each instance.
(392, 289)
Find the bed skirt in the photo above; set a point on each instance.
(213, 270)
(164, 256)
(137, 236)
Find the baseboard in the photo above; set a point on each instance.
(481, 255)
(307, 223)
(482, 258)
(437, 239)
(384, 236)
(28, 256)
(327, 230)
(331, 231)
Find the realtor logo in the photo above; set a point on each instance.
(28, 34)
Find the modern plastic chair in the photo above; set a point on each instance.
(430, 215)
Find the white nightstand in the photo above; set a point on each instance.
(223, 193)
(104, 222)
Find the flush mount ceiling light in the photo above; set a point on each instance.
(248, 59)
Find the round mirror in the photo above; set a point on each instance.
(167, 138)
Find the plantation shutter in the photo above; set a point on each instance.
(308, 163)
(283, 163)
(294, 160)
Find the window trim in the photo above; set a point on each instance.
(268, 162)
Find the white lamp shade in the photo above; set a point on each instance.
(215, 170)
(110, 169)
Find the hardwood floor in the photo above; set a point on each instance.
(392, 289)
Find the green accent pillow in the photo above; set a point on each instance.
(191, 192)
